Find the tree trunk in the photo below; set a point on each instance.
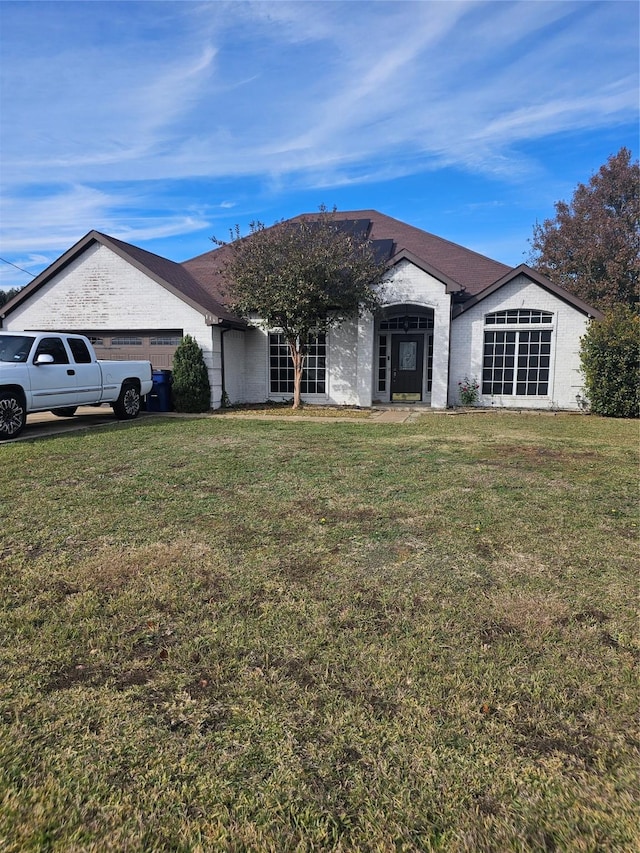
(297, 357)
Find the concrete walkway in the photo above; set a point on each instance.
(379, 414)
(397, 415)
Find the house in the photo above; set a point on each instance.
(448, 313)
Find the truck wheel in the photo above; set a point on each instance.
(13, 415)
(127, 406)
(66, 412)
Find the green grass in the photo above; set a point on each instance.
(245, 635)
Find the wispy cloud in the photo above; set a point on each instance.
(99, 106)
(55, 221)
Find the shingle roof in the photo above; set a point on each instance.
(201, 281)
(469, 270)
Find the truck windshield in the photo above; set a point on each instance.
(15, 348)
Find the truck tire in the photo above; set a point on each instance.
(127, 406)
(66, 412)
(13, 415)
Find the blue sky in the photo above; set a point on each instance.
(165, 123)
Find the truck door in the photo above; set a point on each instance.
(53, 384)
(88, 373)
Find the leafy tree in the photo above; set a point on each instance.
(610, 358)
(190, 380)
(6, 295)
(302, 276)
(592, 246)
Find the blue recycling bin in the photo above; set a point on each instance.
(159, 398)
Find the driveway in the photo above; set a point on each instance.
(44, 424)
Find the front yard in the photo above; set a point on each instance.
(244, 635)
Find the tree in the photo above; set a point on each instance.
(6, 295)
(190, 379)
(611, 363)
(302, 276)
(592, 246)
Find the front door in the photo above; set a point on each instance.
(407, 356)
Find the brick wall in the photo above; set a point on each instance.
(410, 285)
(100, 290)
(467, 344)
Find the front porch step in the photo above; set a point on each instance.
(401, 407)
(398, 414)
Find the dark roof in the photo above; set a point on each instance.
(457, 267)
(471, 270)
(202, 283)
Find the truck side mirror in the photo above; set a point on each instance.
(44, 358)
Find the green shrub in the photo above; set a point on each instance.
(190, 388)
(611, 363)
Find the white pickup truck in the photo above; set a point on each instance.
(51, 371)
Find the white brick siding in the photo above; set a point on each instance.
(409, 285)
(342, 367)
(256, 361)
(234, 364)
(100, 290)
(569, 324)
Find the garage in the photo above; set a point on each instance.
(155, 345)
(123, 299)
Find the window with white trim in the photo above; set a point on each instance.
(516, 362)
(281, 367)
(382, 364)
(406, 323)
(518, 316)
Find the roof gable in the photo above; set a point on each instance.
(447, 261)
(168, 274)
(538, 279)
(404, 255)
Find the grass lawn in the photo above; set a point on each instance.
(245, 635)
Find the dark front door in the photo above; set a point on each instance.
(407, 352)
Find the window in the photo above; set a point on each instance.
(126, 341)
(15, 347)
(281, 368)
(165, 340)
(405, 323)
(79, 350)
(382, 364)
(407, 355)
(534, 355)
(53, 347)
(517, 361)
(518, 316)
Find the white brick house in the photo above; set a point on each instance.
(448, 314)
